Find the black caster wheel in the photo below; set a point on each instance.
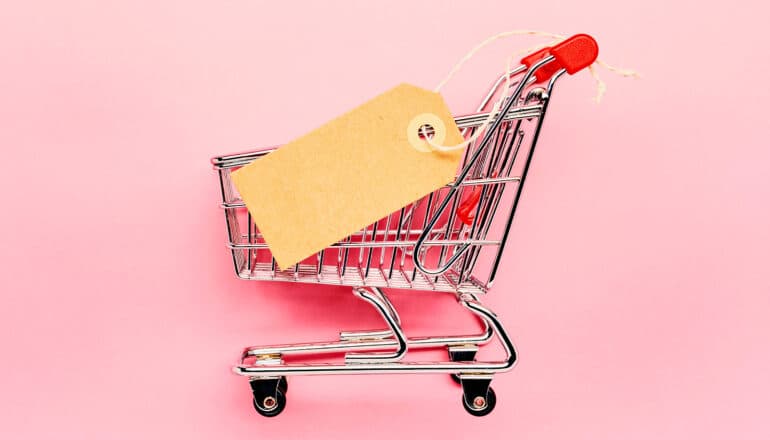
(480, 405)
(270, 406)
(283, 384)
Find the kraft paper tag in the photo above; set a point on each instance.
(349, 173)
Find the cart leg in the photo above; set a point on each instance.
(462, 353)
(377, 340)
(377, 298)
(376, 335)
(389, 306)
(467, 352)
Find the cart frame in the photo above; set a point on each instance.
(489, 166)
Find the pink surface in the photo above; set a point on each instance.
(636, 286)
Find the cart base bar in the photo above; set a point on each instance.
(373, 277)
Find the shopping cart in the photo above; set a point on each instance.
(448, 241)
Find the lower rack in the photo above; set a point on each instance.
(380, 352)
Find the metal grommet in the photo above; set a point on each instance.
(413, 131)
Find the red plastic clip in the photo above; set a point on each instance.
(465, 212)
(573, 54)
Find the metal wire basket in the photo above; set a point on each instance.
(449, 241)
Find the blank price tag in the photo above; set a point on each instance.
(349, 173)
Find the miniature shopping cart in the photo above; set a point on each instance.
(448, 241)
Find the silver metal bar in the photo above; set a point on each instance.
(402, 243)
(520, 187)
(470, 182)
(496, 85)
(249, 225)
(345, 257)
(371, 251)
(424, 222)
(371, 340)
(461, 177)
(469, 303)
(379, 301)
(408, 228)
(489, 160)
(365, 335)
(468, 121)
(362, 234)
(385, 235)
(398, 281)
(516, 139)
(319, 265)
(398, 237)
(480, 219)
(435, 232)
(388, 305)
(221, 174)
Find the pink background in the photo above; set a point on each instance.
(636, 287)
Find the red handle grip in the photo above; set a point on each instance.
(573, 54)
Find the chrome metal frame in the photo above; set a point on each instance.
(396, 251)
(264, 365)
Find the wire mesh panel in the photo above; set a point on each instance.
(382, 254)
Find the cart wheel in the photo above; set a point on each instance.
(481, 406)
(270, 406)
(283, 384)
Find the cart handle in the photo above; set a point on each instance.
(572, 55)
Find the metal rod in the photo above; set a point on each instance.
(256, 371)
(466, 170)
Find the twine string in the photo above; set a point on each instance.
(601, 86)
